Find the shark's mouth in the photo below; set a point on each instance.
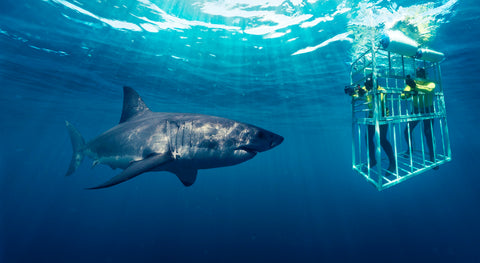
(248, 149)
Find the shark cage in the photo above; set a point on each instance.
(399, 129)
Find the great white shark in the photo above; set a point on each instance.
(180, 143)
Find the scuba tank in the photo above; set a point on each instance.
(429, 55)
(397, 42)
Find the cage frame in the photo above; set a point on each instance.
(385, 66)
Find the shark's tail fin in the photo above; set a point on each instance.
(78, 144)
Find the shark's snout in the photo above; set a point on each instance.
(268, 140)
(276, 141)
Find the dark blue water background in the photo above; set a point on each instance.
(299, 202)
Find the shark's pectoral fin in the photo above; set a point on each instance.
(187, 177)
(137, 168)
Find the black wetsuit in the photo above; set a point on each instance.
(387, 147)
(427, 129)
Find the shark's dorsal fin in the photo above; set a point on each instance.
(133, 105)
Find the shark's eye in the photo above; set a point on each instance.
(261, 135)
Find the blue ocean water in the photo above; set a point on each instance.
(281, 65)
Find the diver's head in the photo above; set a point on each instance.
(369, 83)
(409, 81)
(421, 73)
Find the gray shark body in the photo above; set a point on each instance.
(181, 143)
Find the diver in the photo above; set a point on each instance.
(387, 147)
(422, 92)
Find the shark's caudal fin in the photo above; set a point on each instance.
(133, 105)
(78, 144)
